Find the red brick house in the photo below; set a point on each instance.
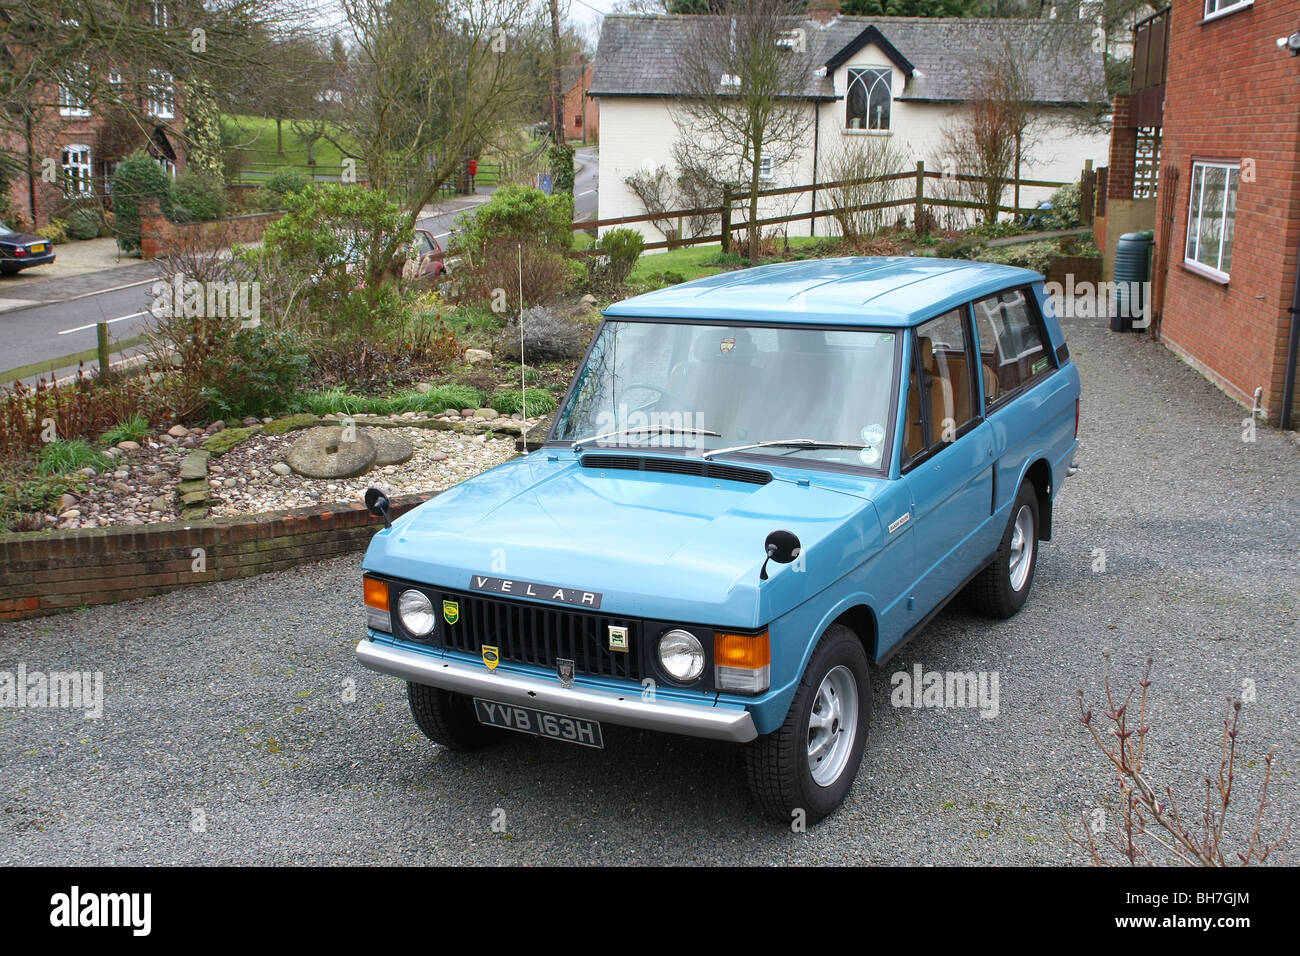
(76, 140)
(1226, 123)
(581, 112)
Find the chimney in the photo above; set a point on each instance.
(824, 11)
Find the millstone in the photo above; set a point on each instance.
(391, 449)
(322, 453)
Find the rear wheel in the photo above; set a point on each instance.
(810, 762)
(1001, 589)
(448, 719)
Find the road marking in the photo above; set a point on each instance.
(116, 288)
(587, 193)
(120, 318)
(442, 235)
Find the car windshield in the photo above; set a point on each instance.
(715, 387)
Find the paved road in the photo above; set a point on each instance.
(64, 322)
(231, 705)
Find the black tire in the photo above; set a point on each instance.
(448, 719)
(777, 764)
(992, 592)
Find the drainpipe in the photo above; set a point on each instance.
(1293, 344)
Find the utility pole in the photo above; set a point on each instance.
(557, 108)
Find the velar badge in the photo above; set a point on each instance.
(564, 670)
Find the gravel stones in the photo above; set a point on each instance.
(332, 452)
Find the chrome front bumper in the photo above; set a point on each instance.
(693, 720)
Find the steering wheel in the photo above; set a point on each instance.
(665, 393)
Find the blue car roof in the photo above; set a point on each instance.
(868, 290)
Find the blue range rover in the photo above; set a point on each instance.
(759, 485)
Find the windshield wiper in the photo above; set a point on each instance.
(783, 443)
(656, 429)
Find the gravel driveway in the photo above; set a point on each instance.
(238, 729)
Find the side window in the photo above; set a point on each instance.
(941, 400)
(1012, 350)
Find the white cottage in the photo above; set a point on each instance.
(907, 79)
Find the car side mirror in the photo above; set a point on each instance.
(377, 505)
(782, 547)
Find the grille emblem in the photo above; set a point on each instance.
(564, 670)
(617, 638)
(491, 656)
(451, 611)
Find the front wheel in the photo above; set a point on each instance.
(805, 769)
(448, 719)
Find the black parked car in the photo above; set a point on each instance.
(19, 250)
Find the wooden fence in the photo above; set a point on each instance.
(918, 201)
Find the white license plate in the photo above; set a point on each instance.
(573, 730)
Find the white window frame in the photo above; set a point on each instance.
(162, 95)
(78, 170)
(884, 77)
(167, 165)
(766, 170)
(70, 103)
(162, 14)
(1221, 8)
(1196, 207)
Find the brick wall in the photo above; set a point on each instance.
(47, 572)
(1233, 95)
(159, 236)
(1123, 143)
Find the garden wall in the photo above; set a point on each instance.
(159, 235)
(46, 572)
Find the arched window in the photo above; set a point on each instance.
(868, 99)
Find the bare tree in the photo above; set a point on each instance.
(744, 94)
(434, 82)
(994, 131)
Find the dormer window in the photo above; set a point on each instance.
(868, 99)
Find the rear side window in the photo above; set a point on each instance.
(1011, 342)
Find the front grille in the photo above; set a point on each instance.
(677, 466)
(527, 633)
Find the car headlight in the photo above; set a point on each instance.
(415, 611)
(682, 655)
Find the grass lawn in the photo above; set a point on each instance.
(257, 136)
(693, 262)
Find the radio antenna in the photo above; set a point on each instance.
(523, 391)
